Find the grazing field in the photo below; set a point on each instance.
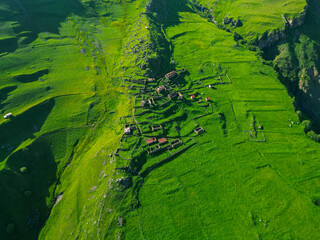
(103, 145)
(257, 17)
(227, 186)
(58, 88)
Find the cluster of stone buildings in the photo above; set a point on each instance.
(162, 144)
(158, 145)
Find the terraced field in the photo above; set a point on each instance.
(102, 145)
(227, 186)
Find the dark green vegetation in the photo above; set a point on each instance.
(297, 60)
(75, 75)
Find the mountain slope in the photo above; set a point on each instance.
(233, 159)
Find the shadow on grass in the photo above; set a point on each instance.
(33, 17)
(166, 15)
(8, 45)
(312, 21)
(146, 172)
(26, 78)
(20, 128)
(167, 11)
(25, 195)
(4, 94)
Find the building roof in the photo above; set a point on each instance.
(162, 88)
(171, 74)
(207, 98)
(193, 96)
(151, 140)
(8, 115)
(145, 103)
(162, 140)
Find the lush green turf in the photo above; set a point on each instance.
(227, 187)
(62, 76)
(57, 94)
(257, 17)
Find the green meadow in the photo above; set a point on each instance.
(69, 74)
(227, 186)
(60, 89)
(257, 17)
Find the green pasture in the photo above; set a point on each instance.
(58, 97)
(257, 17)
(62, 74)
(226, 186)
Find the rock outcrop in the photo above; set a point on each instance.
(270, 38)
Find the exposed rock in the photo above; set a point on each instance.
(236, 23)
(226, 20)
(310, 86)
(125, 182)
(270, 38)
(83, 51)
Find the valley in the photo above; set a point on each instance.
(159, 119)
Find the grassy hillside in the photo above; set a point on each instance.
(227, 186)
(256, 17)
(55, 87)
(75, 74)
(297, 61)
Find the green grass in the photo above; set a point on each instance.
(257, 17)
(54, 133)
(68, 109)
(225, 184)
(296, 60)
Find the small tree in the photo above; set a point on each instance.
(313, 136)
(307, 125)
(236, 36)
